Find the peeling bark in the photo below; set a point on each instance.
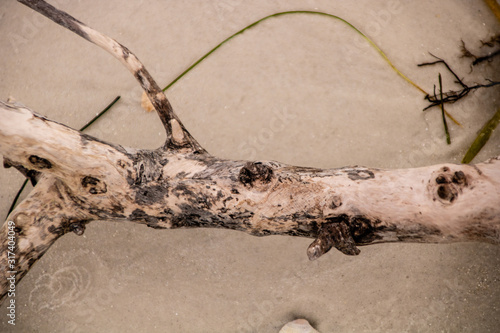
(80, 178)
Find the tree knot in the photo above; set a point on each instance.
(255, 172)
(93, 185)
(447, 185)
(40, 163)
(77, 227)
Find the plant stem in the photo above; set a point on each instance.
(482, 137)
(448, 140)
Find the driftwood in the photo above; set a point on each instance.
(80, 178)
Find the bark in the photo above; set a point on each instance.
(80, 178)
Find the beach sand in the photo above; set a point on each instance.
(299, 89)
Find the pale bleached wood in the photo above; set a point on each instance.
(85, 179)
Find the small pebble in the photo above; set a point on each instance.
(298, 326)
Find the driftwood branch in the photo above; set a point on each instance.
(81, 178)
(177, 135)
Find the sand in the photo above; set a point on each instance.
(336, 102)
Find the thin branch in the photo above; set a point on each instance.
(177, 135)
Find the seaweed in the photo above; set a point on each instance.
(448, 140)
(466, 53)
(482, 138)
(384, 56)
(452, 96)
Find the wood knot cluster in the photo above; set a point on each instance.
(94, 185)
(254, 172)
(360, 174)
(40, 163)
(449, 185)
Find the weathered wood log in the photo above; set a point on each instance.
(80, 178)
(84, 179)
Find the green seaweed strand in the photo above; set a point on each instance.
(384, 56)
(482, 138)
(299, 12)
(448, 140)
